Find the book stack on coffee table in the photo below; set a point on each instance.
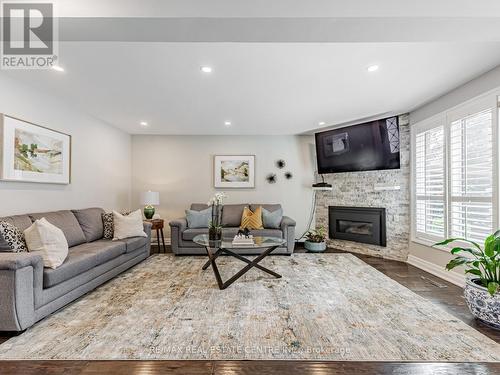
(239, 240)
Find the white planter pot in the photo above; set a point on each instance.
(482, 304)
(315, 247)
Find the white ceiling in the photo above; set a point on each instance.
(264, 88)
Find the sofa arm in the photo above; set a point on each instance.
(288, 229)
(21, 278)
(287, 222)
(177, 226)
(147, 228)
(181, 224)
(15, 261)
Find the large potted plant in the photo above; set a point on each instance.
(482, 266)
(316, 240)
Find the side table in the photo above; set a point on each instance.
(158, 224)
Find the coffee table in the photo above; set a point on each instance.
(225, 246)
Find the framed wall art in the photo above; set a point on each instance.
(234, 171)
(33, 153)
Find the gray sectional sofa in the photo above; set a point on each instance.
(30, 292)
(182, 236)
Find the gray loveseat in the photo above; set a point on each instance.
(182, 236)
(30, 292)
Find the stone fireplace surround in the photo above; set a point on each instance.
(374, 189)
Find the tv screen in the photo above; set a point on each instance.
(364, 147)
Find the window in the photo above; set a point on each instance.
(471, 173)
(454, 172)
(429, 181)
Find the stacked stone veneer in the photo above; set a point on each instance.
(357, 189)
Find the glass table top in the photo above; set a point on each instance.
(227, 243)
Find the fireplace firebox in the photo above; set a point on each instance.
(360, 224)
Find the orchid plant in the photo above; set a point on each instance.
(216, 202)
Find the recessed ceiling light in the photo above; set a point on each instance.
(321, 123)
(227, 123)
(372, 68)
(144, 123)
(206, 69)
(57, 68)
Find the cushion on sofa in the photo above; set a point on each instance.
(134, 243)
(47, 240)
(66, 221)
(231, 214)
(251, 219)
(11, 238)
(191, 233)
(199, 206)
(199, 219)
(21, 221)
(267, 233)
(81, 258)
(272, 219)
(267, 206)
(90, 219)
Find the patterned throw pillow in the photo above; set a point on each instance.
(11, 238)
(107, 221)
(251, 220)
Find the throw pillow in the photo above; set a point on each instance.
(11, 238)
(49, 240)
(251, 220)
(107, 222)
(199, 219)
(272, 219)
(126, 226)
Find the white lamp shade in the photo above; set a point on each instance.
(150, 198)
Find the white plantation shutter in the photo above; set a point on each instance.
(430, 184)
(455, 172)
(471, 176)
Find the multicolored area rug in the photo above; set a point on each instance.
(326, 307)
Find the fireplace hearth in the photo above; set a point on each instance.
(359, 224)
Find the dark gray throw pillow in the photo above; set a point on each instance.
(273, 219)
(11, 238)
(199, 219)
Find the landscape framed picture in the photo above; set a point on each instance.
(234, 171)
(33, 153)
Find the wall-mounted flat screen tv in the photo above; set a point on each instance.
(369, 146)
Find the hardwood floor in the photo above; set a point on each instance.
(442, 293)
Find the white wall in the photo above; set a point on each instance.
(100, 156)
(422, 255)
(181, 169)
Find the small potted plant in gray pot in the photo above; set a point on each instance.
(316, 240)
(482, 266)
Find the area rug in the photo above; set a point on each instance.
(326, 307)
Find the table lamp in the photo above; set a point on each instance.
(150, 199)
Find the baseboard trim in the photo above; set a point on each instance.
(452, 277)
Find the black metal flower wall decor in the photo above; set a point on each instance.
(280, 164)
(271, 178)
(288, 175)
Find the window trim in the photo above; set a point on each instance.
(491, 99)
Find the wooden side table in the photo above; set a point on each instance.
(158, 224)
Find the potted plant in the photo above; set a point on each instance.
(482, 266)
(316, 240)
(215, 227)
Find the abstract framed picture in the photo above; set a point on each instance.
(33, 153)
(234, 171)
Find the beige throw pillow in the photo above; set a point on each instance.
(49, 240)
(128, 226)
